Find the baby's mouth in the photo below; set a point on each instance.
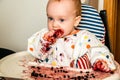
(58, 33)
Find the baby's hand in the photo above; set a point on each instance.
(48, 35)
(52, 35)
(101, 65)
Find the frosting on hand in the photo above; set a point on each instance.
(101, 65)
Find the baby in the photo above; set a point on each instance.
(62, 44)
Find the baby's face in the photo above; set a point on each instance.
(61, 15)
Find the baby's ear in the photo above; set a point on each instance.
(77, 20)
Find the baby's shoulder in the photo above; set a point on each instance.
(83, 32)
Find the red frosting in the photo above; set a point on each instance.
(57, 34)
(51, 40)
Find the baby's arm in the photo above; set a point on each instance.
(100, 56)
(40, 44)
(88, 43)
(37, 46)
(101, 59)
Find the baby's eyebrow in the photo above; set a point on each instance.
(47, 15)
(62, 17)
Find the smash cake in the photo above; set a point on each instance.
(38, 71)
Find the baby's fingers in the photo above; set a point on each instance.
(104, 68)
(48, 35)
(101, 65)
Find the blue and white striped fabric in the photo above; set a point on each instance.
(91, 21)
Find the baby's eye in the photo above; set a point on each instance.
(50, 18)
(62, 20)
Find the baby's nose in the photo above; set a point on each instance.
(55, 24)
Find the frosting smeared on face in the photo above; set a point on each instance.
(57, 34)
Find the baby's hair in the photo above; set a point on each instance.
(77, 5)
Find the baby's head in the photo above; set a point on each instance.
(63, 14)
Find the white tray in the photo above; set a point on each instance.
(10, 66)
